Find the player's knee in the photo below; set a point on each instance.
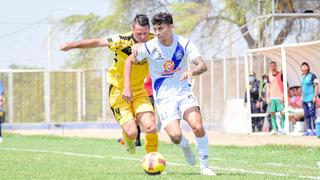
(176, 138)
(151, 129)
(132, 133)
(198, 130)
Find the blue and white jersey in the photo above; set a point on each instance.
(167, 64)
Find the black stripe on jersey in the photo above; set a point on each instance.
(128, 38)
(109, 40)
(127, 51)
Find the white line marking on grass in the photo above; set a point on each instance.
(272, 164)
(230, 169)
(53, 152)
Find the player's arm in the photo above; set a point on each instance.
(87, 43)
(199, 68)
(316, 88)
(127, 92)
(134, 57)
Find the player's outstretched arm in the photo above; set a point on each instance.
(87, 43)
(199, 68)
(127, 92)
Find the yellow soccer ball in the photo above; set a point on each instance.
(154, 163)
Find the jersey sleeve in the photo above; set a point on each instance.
(143, 52)
(314, 79)
(192, 50)
(115, 42)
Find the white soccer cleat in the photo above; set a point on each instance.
(1, 140)
(189, 156)
(207, 172)
(273, 132)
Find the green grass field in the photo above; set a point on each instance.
(49, 157)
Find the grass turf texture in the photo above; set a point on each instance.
(50, 157)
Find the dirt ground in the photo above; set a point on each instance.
(215, 138)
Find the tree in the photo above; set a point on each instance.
(93, 26)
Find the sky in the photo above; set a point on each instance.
(24, 29)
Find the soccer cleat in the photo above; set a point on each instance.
(308, 133)
(120, 141)
(207, 172)
(189, 156)
(137, 143)
(273, 132)
(313, 133)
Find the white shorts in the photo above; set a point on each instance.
(172, 108)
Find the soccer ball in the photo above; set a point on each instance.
(154, 163)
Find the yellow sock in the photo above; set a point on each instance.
(129, 143)
(151, 142)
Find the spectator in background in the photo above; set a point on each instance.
(309, 84)
(295, 110)
(262, 98)
(254, 101)
(275, 97)
(2, 114)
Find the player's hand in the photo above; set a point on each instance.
(268, 101)
(66, 46)
(127, 94)
(186, 75)
(258, 104)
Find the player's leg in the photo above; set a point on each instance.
(147, 122)
(122, 112)
(129, 134)
(143, 111)
(138, 140)
(190, 110)
(174, 132)
(272, 111)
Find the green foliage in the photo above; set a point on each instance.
(188, 15)
(119, 21)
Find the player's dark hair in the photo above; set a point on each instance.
(162, 18)
(306, 64)
(142, 20)
(273, 62)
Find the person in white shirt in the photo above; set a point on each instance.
(167, 55)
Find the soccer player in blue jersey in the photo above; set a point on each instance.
(167, 55)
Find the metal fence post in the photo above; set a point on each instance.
(79, 105)
(10, 96)
(224, 79)
(104, 94)
(212, 89)
(237, 77)
(47, 107)
(84, 112)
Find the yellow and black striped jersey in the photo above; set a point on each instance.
(121, 44)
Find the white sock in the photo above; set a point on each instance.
(184, 143)
(202, 144)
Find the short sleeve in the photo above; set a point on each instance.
(115, 42)
(192, 50)
(314, 79)
(143, 52)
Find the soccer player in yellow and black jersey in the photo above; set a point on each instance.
(140, 109)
